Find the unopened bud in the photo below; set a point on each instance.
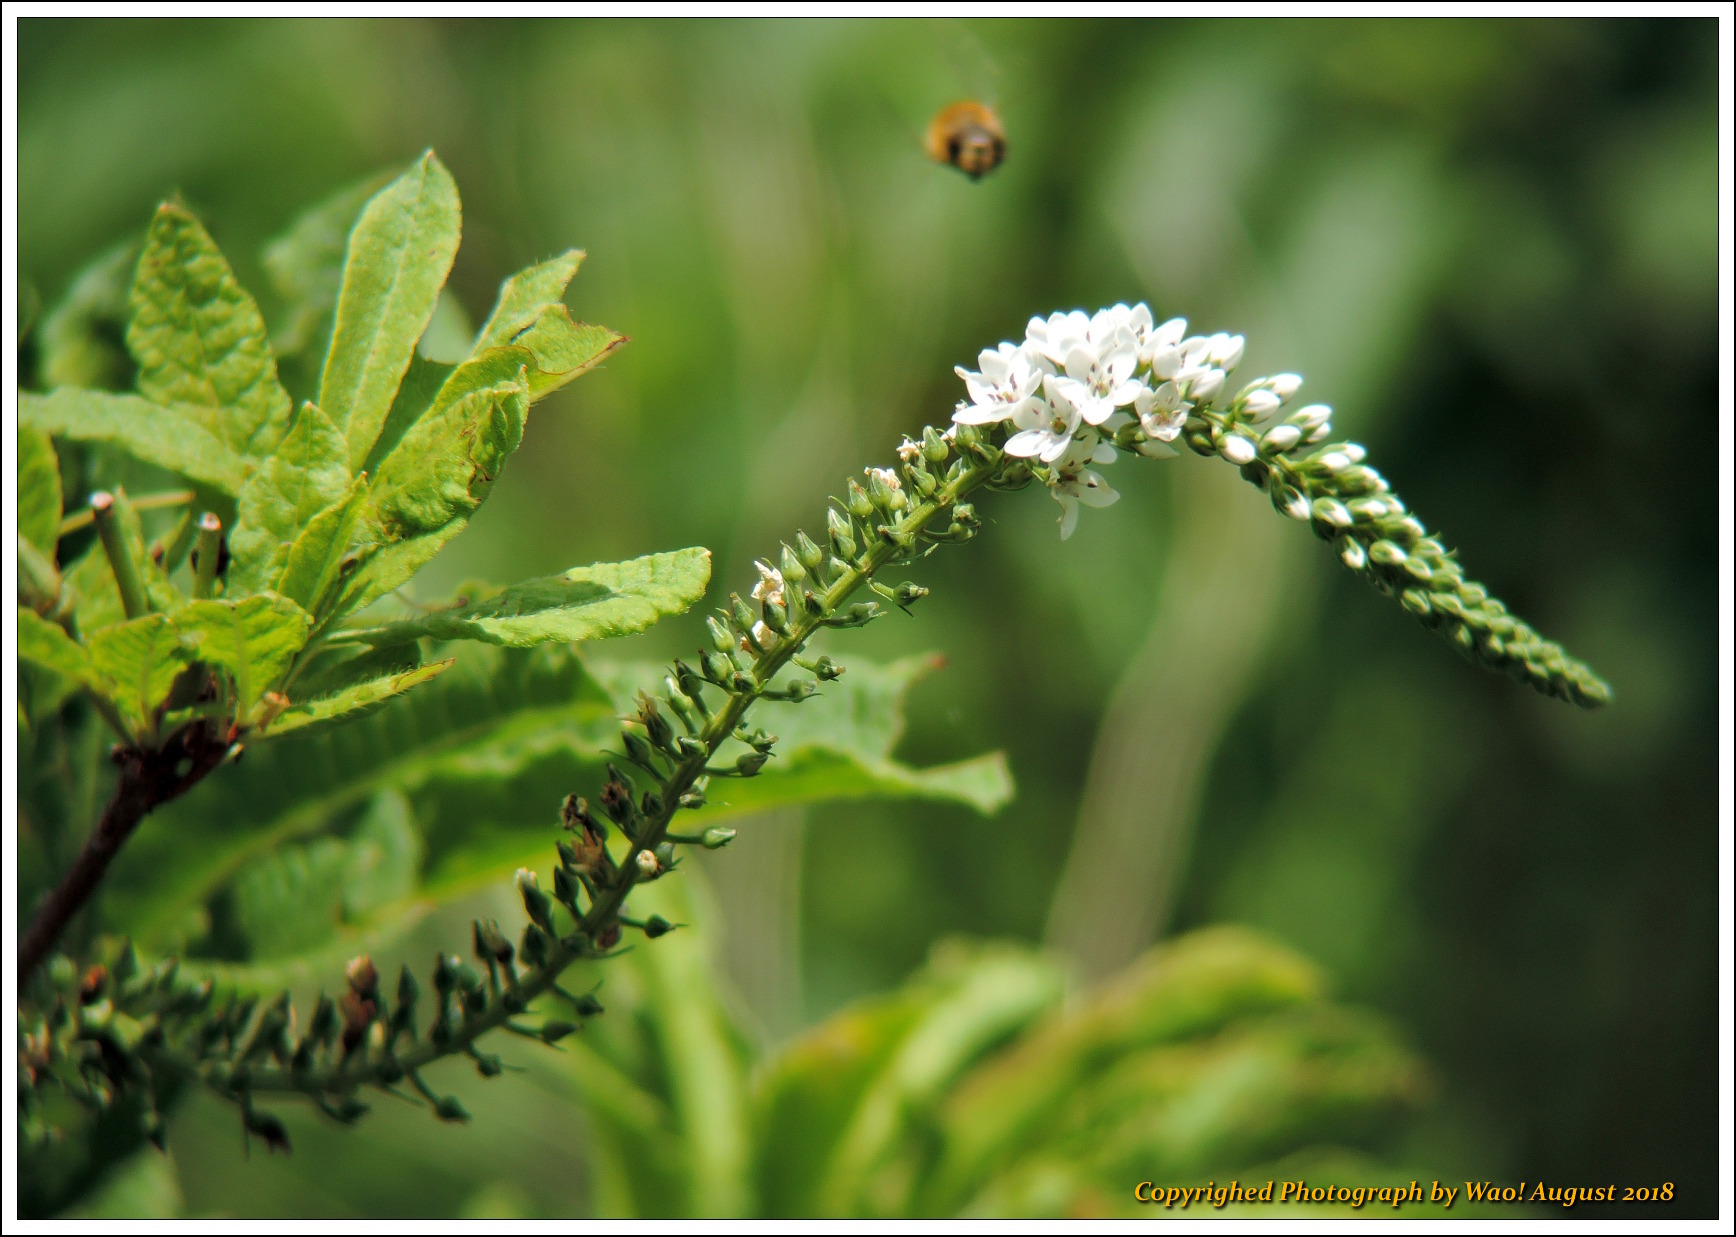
(536, 902)
(1331, 511)
(1279, 439)
(1385, 554)
(716, 837)
(1351, 551)
(1237, 449)
(566, 888)
(811, 555)
(449, 1109)
(791, 566)
(553, 1032)
(721, 639)
(843, 543)
(749, 763)
(362, 975)
(657, 926)
(646, 862)
(933, 445)
(741, 612)
(1259, 404)
(1310, 417)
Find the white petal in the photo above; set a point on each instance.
(1169, 334)
(1069, 514)
(1104, 454)
(1027, 443)
(1056, 448)
(981, 414)
(1094, 491)
(1153, 449)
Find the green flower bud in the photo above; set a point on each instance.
(553, 1031)
(657, 926)
(716, 837)
(793, 569)
(487, 1064)
(1416, 601)
(449, 1109)
(749, 763)
(742, 683)
(933, 445)
(827, 669)
(1386, 554)
(776, 617)
(1351, 551)
(718, 668)
(810, 554)
(1331, 512)
(267, 1127)
(843, 543)
(665, 854)
(588, 1006)
(638, 749)
(857, 502)
(721, 639)
(694, 798)
(689, 747)
(744, 619)
(566, 889)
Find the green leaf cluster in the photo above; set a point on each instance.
(979, 1088)
(329, 505)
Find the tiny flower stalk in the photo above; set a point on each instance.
(1077, 394)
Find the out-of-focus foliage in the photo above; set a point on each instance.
(1490, 244)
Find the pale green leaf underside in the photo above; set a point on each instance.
(170, 438)
(313, 561)
(585, 603)
(354, 699)
(398, 257)
(38, 490)
(199, 341)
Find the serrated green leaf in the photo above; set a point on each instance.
(170, 438)
(81, 339)
(292, 786)
(585, 603)
(306, 264)
(254, 640)
(313, 564)
(308, 474)
(399, 254)
(199, 341)
(98, 598)
(138, 661)
(563, 348)
(524, 296)
(38, 490)
(47, 645)
(357, 698)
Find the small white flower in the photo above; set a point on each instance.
(1004, 386)
(1047, 431)
(1258, 405)
(1075, 486)
(1285, 385)
(885, 476)
(1162, 412)
(909, 451)
(1049, 340)
(771, 583)
(1227, 351)
(1097, 382)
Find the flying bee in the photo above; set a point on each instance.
(969, 136)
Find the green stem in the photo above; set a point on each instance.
(210, 549)
(144, 502)
(114, 544)
(605, 909)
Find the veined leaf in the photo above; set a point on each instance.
(970, 1001)
(253, 639)
(443, 468)
(139, 660)
(306, 264)
(311, 567)
(585, 603)
(291, 786)
(81, 338)
(524, 296)
(357, 698)
(199, 340)
(308, 474)
(45, 644)
(170, 438)
(38, 490)
(398, 257)
(98, 598)
(1187, 989)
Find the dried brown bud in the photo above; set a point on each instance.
(90, 988)
(358, 1012)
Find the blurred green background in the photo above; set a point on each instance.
(1490, 245)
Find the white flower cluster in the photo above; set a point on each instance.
(1079, 380)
